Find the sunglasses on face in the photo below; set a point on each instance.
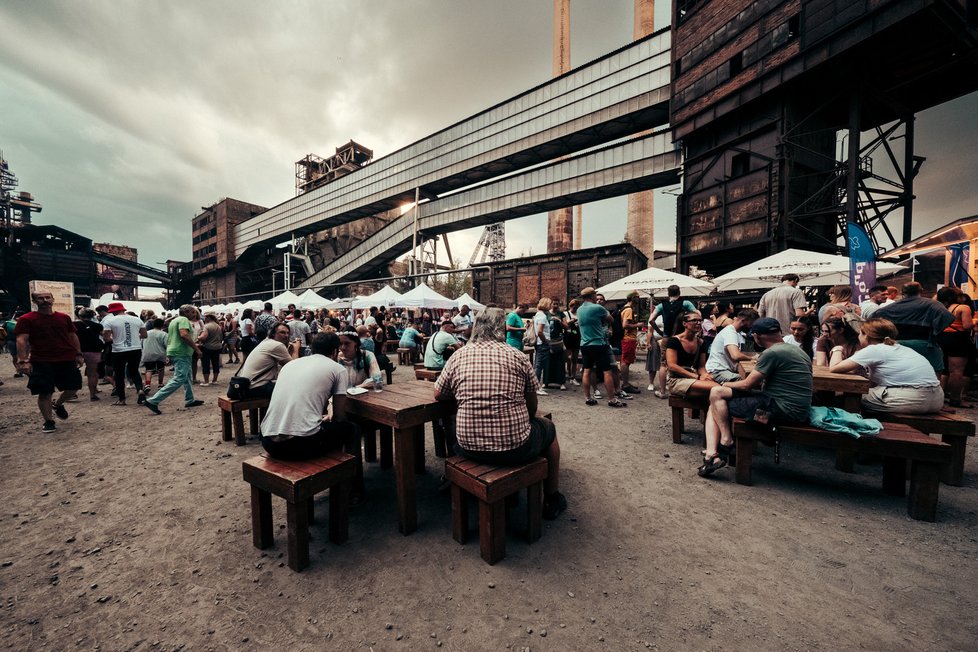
(692, 321)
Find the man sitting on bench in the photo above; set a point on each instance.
(495, 388)
(294, 427)
(786, 374)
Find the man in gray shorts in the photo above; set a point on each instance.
(726, 351)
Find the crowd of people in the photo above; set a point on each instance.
(917, 353)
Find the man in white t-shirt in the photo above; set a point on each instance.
(126, 333)
(295, 428)
(877, 295)
(784, 303)
(463, 324)
(725, 352)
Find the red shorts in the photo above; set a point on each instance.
(628, 351)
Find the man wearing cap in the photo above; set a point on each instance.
(49, 352)
(125, 333)
(441, 345)
(180, 348)
(592, 320)
(778, 388)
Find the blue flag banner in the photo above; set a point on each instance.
(862, 262)
(957, 273)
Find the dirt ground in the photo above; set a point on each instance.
(127, 531)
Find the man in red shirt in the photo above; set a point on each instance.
(48, 351)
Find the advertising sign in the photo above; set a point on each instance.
(64, 295)
(862, 263)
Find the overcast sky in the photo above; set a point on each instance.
(124, 118)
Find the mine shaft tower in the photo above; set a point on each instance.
(797, 116)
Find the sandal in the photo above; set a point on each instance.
(728, 453)
(710, 465)
(617, 404)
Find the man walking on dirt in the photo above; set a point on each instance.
(180, 348)
(48, 351)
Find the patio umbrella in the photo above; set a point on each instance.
(813, 267)
(654, 282)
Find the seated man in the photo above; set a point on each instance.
(725, 352)
(441, 345)
(263, 363)
(294, 427)
(786, 374)
(495, 388)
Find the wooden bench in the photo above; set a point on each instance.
(390, 346)
(232, 414)
(694, 404)
(404, 356)
(426, 374)
(298, 482)
(896, 444)
(491, 485)
(953, 429)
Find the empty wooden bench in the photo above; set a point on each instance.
(677, 404)
(896, 444)
(953, 429)
(232, 414)
(491, 485)
(297, 482)
(404, 356)
(426, 374)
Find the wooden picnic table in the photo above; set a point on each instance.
(851, 386)
(405, 408)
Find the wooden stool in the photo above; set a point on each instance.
(297, 482)
(491, 485)
(231, 412)
(404, 356)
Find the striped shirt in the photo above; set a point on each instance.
(489, 380)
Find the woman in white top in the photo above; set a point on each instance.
(802, 335)
(247, 326)
(361, 366)
(903, 380)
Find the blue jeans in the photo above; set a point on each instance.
(181, 376)
(541, 361)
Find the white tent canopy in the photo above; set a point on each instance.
(424, 297)
(309, 300)
(467, 300)
(339, 304)
(386, 296)
(283, 300)
(813, 267)
(654, 282)
(131, 306)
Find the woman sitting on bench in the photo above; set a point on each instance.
(903, 380)
(686, 359)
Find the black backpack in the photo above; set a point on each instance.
(670, 311)
(617, 330)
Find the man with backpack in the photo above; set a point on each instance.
(669, 310)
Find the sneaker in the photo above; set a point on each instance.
(575, 382)
(631, 389)
(141, 398)
(590, 401)
(542, 392)
(193, 403)
(659, 394)
(651, 388)
(61, 412)
(624, 396)
(597, 394)
(554, 506)
(205, 384)
(95, 397)
(563, 388)
(152, 408)
(617, 404)
(49, 426)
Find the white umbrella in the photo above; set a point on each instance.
(467, 300)
(654, 282)
(424, 297)
(813, 267)
(386, 296)
(310, 300)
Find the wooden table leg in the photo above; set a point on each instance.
(460, 515)
(226, 426)
(953, 473)
(253, 422)
(745, 454)
(404, 474)
(894, 476)
(419, 451)
(386, 447)
(339, 512)
(369, 443)
(677, 425)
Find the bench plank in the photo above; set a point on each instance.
(953, 429)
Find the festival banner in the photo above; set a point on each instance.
(957, 273)
(862, 263)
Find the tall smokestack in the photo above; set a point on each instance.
(560, 236)
(639, 230)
